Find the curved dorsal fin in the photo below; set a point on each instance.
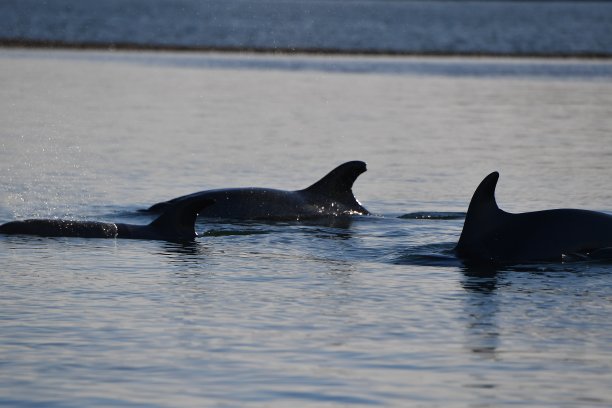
(338, 184)
(483, 199)
(482, 215)
(178, 219)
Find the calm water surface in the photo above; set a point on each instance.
(372, 312)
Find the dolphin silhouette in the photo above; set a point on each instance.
(330, 196)
(176, 223)
(493, 236)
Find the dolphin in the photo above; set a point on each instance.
(176, 223)
(491, 235)
(330, 196)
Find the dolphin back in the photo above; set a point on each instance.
(176, 223)
(61, 228)
(493, 236)
(271, 204)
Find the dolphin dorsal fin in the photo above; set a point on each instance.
(338, 183)
(482, 215)
(483, 200)
(178, 219)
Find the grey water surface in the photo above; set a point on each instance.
(373, 311)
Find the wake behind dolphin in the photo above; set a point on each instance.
(330, 196)
(493, 236)
(176, 223)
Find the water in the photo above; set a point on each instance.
(375, 312)
(374, 26)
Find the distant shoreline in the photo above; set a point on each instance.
(45, 44)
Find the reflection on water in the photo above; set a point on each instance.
(480, 309)
(184, 251)
(438, 254)
(429, 215)
(342, 222)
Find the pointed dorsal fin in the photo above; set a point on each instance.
(178, 219)
(482, 215)
(338, 184)
(483, 199)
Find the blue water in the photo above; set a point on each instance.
(373, 312)
(387, 26)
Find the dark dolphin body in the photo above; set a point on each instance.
(176, 223)
(493, 236)
(330, 196)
